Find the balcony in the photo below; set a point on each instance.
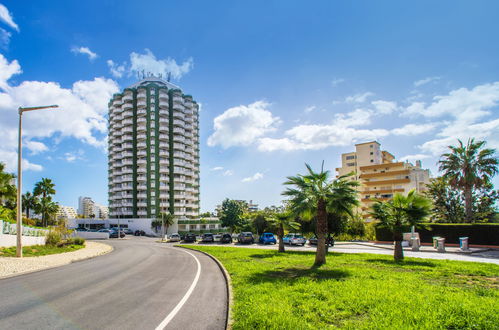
(126, 106)
(385, 182)
(127, 97)
(141, 103)
(141, 161)
(141, 120)
(141, 137)
(141, 95)
(384, 174)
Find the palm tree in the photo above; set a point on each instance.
(8, 191)
(468, 167)
(315, 195)
(45, 187)
(283, 220)
(47, 208)
(166, 220)
(399, 212)
(29, 202)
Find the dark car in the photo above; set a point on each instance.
(139, 233)
(313, 241)
(226, 238)
(189, 238)
(207, 238)
(246, 237)
(128, 231)
(114, 234)
(81, 229)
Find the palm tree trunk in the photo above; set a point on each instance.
(398, 252)
(280, 235)
(468, 204)
(320, 255)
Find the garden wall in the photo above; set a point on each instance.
(31, 236)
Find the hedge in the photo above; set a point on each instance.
(481, 234)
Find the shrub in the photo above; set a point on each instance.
(79, 241)
(53, 238)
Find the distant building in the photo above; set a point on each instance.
(380, 175)
(67, 212)
(87, 208)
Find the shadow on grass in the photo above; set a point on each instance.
(263, 256)
(293, 274)
(402, 263)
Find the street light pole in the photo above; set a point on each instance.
(19, 220)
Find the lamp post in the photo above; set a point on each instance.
(19, 222)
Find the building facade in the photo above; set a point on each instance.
(87, 208)
(380, 175)
(67, 212)
(153, 152)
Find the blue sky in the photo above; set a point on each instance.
(281, 83)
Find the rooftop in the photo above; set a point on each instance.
(154, 79)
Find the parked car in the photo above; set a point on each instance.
(226, 238)
(294, 239)
(104, 230)
(217, 237)
(114, 234)
(175, 237)
(207, 238)
(313, 241)
(139, 233)
(246, 237)
(128, 231)
(267, 238)
(81, 229)
(189, 238)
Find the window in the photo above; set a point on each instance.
(350, 157)
(372, 160)
(372, 153)
(350, 164)
(371, 146)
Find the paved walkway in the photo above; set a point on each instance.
(427, 252)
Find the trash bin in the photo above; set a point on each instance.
(415, 243)
(463, 243)
(435, 238)
(441, 244)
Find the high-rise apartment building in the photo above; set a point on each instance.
(87, 208)
(153, 152)
(380, 175)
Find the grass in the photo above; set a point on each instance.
(358, 291)
(38, 250)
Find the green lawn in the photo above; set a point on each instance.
(358, 291)
(38, 250)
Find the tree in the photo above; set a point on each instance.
(231, 214)
(47, 208)
(399, 212)
(166, 220)
(30, 202)
(447, 202)
(469, 167)
(283, 221)
(8, 191)
(45, 188)
(314, 195)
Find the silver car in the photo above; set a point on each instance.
(175, 237)
(294, 239)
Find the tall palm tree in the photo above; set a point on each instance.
(314, 195)
(468, 167)
(8, 191)
(47, 208)
(399, 212)
(283, 221)
(45, 188)
(166, 220)
(30, 202)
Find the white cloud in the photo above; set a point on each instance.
(254, 177)
(228, 173)
(310, 108)
(358, 98)
(218, 168)
(9, 157)
(384, 107)
(86, 51)
(148, 63)
(337, 81)
(242, 125)
(414, 129)
(117, 71)
(72, 156)
(358, 117)
(81, 114)
(4, 38)
(412, 158)
(425, 81)
(6, 17)
(35, 147)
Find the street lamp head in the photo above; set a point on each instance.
(23, 109)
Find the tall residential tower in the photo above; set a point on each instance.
(153, 152)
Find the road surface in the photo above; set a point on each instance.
(140, 285)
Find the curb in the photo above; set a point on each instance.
(228, 281)
(52, 267)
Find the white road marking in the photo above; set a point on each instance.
(174, 311)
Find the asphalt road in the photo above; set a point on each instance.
(136, 286)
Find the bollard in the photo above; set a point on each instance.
(435, 238)
(463, 244)
(441, 245)
(415, 243)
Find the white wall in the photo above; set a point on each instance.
(31, 236)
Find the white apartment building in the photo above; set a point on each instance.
(67, 212)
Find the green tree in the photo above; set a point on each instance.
(45, 188)
(447, 202)
(8, 191)
(29, 202)
(283, 221)
(166, 220)
(469, 167)
(232, 214)
(47, 208)
(316, 195)
(484, 203)
(399, 212)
